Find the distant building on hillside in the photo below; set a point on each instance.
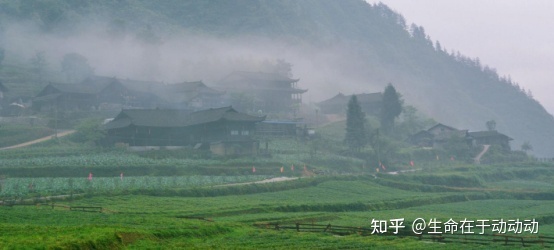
(438, 135)
(370, 103)
(491, 137)
(223, 130)
(100, 92)
(260, 91)
(67, 96)
(184, 95)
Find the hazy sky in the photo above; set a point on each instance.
(514, 36)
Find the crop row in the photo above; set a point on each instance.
(98, 159)
(25, 187)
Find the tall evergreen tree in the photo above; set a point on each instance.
(355, 126)
(392, 107)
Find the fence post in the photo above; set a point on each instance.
(327, 228)
(297, 227)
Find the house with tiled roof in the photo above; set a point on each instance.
(490, 137)
(438, 135)
(71, 96)
(223, 130)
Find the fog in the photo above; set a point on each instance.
(514, 37)
(182, 57)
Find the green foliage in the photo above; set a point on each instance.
(497, 154)
(459, 148)
(526, 146)
(411, 122)
(89, 131)
(392, 107)
(355, 136)
(33, 187)
(491, 125)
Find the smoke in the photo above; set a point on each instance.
(177, 57)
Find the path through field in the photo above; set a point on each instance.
(276, 179)
(477, 158)
(60, 134)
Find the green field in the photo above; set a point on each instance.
(173, 218)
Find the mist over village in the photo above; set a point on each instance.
(260, 124)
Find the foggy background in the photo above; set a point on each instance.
(177, 57)
(516, 37)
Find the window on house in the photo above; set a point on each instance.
(234, 132)
(245, 132)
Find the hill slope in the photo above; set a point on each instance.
(345, 45)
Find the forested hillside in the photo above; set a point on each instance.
(346, 45)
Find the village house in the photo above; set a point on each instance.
(490, 137)
(110, 93)
(190, 95)
(370, 103)
(67, 96)
(438, 135)
(281, 128)
(222, 130)
(265, 92)
(184, 95)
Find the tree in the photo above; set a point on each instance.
(355, 136)
(392, 107)
(89, 131)
(526, 146)
(39, 63)
(76, 67)
(491, 125)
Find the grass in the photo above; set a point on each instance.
(11, 135)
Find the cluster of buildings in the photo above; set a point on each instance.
(156, 114)
(222, 119)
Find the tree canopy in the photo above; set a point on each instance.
(392, 107)
(355, 136)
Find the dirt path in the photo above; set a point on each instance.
(276, 179)
(60, 134)
(477, 158)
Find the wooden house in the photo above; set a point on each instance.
(437, 136)
(66, 96)
(152, 94)
(260, 91)
(280, 128)
(190, 95)
(491, 137)
(370, 103)
(224, 130)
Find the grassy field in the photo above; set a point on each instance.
(223, 220)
